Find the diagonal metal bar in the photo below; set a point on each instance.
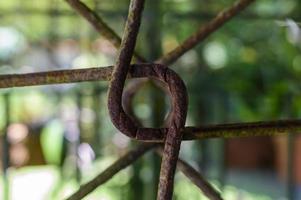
(130, 158)
(196, 178)
(99, 25)
(112, 170)
(200, 181)
(204, 31)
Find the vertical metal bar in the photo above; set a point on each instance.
(5, 149)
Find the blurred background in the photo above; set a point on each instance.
(53, 138)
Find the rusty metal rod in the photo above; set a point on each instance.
(99, 25)
(204, 31)
(112, 170)
(196, 178)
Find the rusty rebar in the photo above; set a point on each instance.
(179, 101)
(120, 71)
(228, 130)
(183, 166)
(125, 124)
(99, 25)
(262, 128)
(55, 77)
(196, 177)
(204, 31)
(112, 170)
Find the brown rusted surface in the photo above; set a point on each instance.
(247, 129)
(171, 135)
(196, 177)
(55, 77)
(179, 101)
(117, 114)
(234, 130)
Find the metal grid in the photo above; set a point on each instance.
(105, 73)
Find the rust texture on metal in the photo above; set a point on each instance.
(179, 104)
(177, 88)
(119, 99)
(196, 177)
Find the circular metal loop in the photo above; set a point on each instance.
(179, 100)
